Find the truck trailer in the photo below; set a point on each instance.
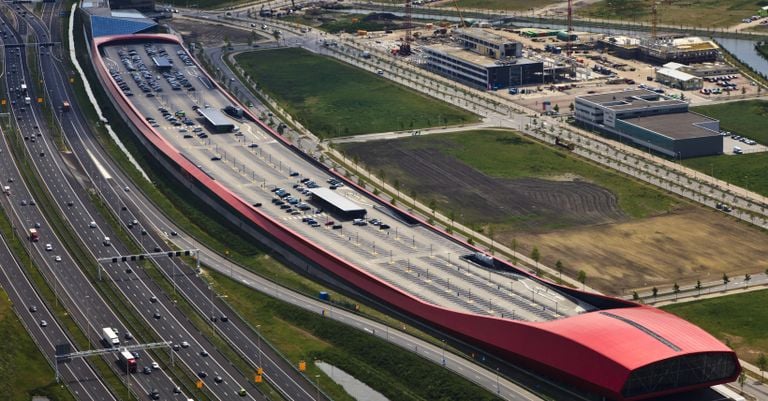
(110, 337)
(127, 361)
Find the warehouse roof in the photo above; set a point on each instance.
(676, 74)
(676, 125)
(215, 117)
(336, 200)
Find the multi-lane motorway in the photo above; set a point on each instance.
(135, 284)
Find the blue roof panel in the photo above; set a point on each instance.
(106, 26)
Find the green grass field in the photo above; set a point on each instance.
(746, 118)
(746, 171)
(304, 335)
(740, 320)
(23, 371)
(352, 23)
(700, 13)
(333, 99)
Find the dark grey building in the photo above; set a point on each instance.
(651, 120)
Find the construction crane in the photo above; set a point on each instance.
(405, 47)
(458, 10)
(654, 20)
(569, 45)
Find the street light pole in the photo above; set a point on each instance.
(258, 339)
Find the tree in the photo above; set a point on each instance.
(698, 286)
(655, 292)
(536, 255)
(635, 296)
(726, 280)
(747, 277)
(432, 206)
(556, 108)
(582, 277)
(559, 267)
(571, 106)
(676, 290)
(762, 363)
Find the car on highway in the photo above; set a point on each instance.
(156, 315)
(203, 353)
(155, 365)
(218, 379)
(147, 370)
(184, 344)
(48, 247)
(57, 258)
(43, 323)
(202, 374)
(92, 224)
(33, 308)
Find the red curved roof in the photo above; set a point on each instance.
(597, 349)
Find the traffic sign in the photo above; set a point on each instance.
(199, 384)
(302, 366)
(257, 379)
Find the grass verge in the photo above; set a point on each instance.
(333, 99)
(24, 372)
(303, 335)
(739, 320)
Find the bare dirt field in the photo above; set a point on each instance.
(530, 204)
(566, 217)
(687, 245)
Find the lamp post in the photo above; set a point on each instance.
(258, 343)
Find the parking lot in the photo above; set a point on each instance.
(271, 177)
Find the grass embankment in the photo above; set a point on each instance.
(763, 49)
(397, 374)
(739, 320)
(703, 13)
(333, 99)
(24, 373)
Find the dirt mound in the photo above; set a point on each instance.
(530, 203)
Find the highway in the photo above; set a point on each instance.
(101, 172)
(170, 325)
(77, 374)
(62, 274)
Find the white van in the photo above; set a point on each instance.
(107, 241)
(737, 150)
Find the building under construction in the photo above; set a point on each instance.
(487, 60)
(661, 51)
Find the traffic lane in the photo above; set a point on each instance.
(29, 118)
(206, 362)
(77, 374)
